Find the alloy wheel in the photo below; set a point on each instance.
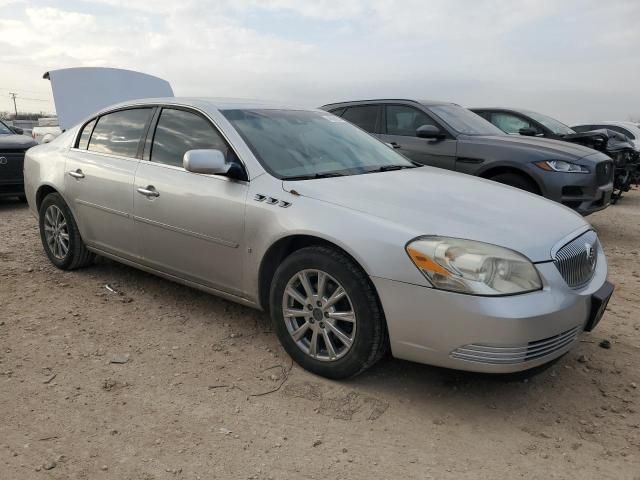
(319, 315)
(56, 232)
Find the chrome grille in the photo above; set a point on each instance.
(604, 172)
(577, 260)
(506, 355)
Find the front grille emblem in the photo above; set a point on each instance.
(3, 160)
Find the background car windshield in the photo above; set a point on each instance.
(552, 124)
(4, 130)
(465, 121)
(292, 143)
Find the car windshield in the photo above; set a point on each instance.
(4, 130)
(301, 144)
(552, 124)
(465, 121)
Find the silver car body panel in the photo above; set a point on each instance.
(213, 233)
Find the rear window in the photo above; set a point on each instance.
(366, 117)
(119, 133)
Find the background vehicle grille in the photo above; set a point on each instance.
(577, 260)
(516, 354)
(604, 172)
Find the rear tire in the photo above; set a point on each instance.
(348, 335)
(516, 180)
(60, 235)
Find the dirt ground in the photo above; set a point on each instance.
(202, 389)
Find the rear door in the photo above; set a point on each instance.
(190, 225)
(100, 170)
(399, 130)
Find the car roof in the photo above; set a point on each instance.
(427, 103)
(209, 103)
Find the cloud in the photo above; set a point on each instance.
(552, 56)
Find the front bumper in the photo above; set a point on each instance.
(585, 193)
(465, 332)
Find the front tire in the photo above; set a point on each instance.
(60, 235)
(516, 180)
(326, 313)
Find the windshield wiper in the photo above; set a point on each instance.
(315, 175)
(389, 168)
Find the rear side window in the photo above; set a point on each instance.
(119, 133)
(83, 141)
(584, 128)
(621, 130)
(402, 120)
(179, 131)
(509, 123)
(366, 117)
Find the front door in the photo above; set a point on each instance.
(400, 132)
(189, 225)
(99, 175)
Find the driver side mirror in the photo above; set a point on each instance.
(429, 132)
(209, 161)
(17, 130)
(528, 132)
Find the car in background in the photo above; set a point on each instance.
(616, 145)
(46, 130)
(13, 145)
(446, 135)
(351, 247)
(628, 129)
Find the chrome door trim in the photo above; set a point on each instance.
(200, 236)
(103, 208)
(100, 154)
(182, 169)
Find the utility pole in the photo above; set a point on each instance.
(15, 108)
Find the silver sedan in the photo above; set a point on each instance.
(351, 248)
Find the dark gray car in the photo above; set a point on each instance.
(13, 145)
(449, 136)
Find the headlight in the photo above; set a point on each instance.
(561, 166)
(472, 267)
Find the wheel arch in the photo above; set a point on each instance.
(492, 171)
(43, 191)
(284, 247)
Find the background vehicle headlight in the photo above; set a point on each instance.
(561, 166)
(472, 267)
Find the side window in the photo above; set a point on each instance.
(119, 133)
(338, 111)
(366, 117)
(403, 120)
(584, 128)
(83, 141)
(509, 123)
(179, 131)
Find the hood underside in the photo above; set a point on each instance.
(603, 140)
(79, 92)
(432, 201)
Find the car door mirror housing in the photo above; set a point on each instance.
(528, 132)
(47, 138)
(17, 130)
(430, 132)
(209, 161)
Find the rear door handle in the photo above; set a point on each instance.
(76, 174)
(148, 191)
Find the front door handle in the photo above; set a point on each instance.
(148, 191)
(395, 145)
(76, 174)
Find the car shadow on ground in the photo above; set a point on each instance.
(12, 203)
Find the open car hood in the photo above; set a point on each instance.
(603, 140)
(79, 92)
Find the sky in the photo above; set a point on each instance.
(576, 60)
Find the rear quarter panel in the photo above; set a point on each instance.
(44, 165)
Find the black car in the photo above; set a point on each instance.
(606, 140)
(13, 145)
(446, 135)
